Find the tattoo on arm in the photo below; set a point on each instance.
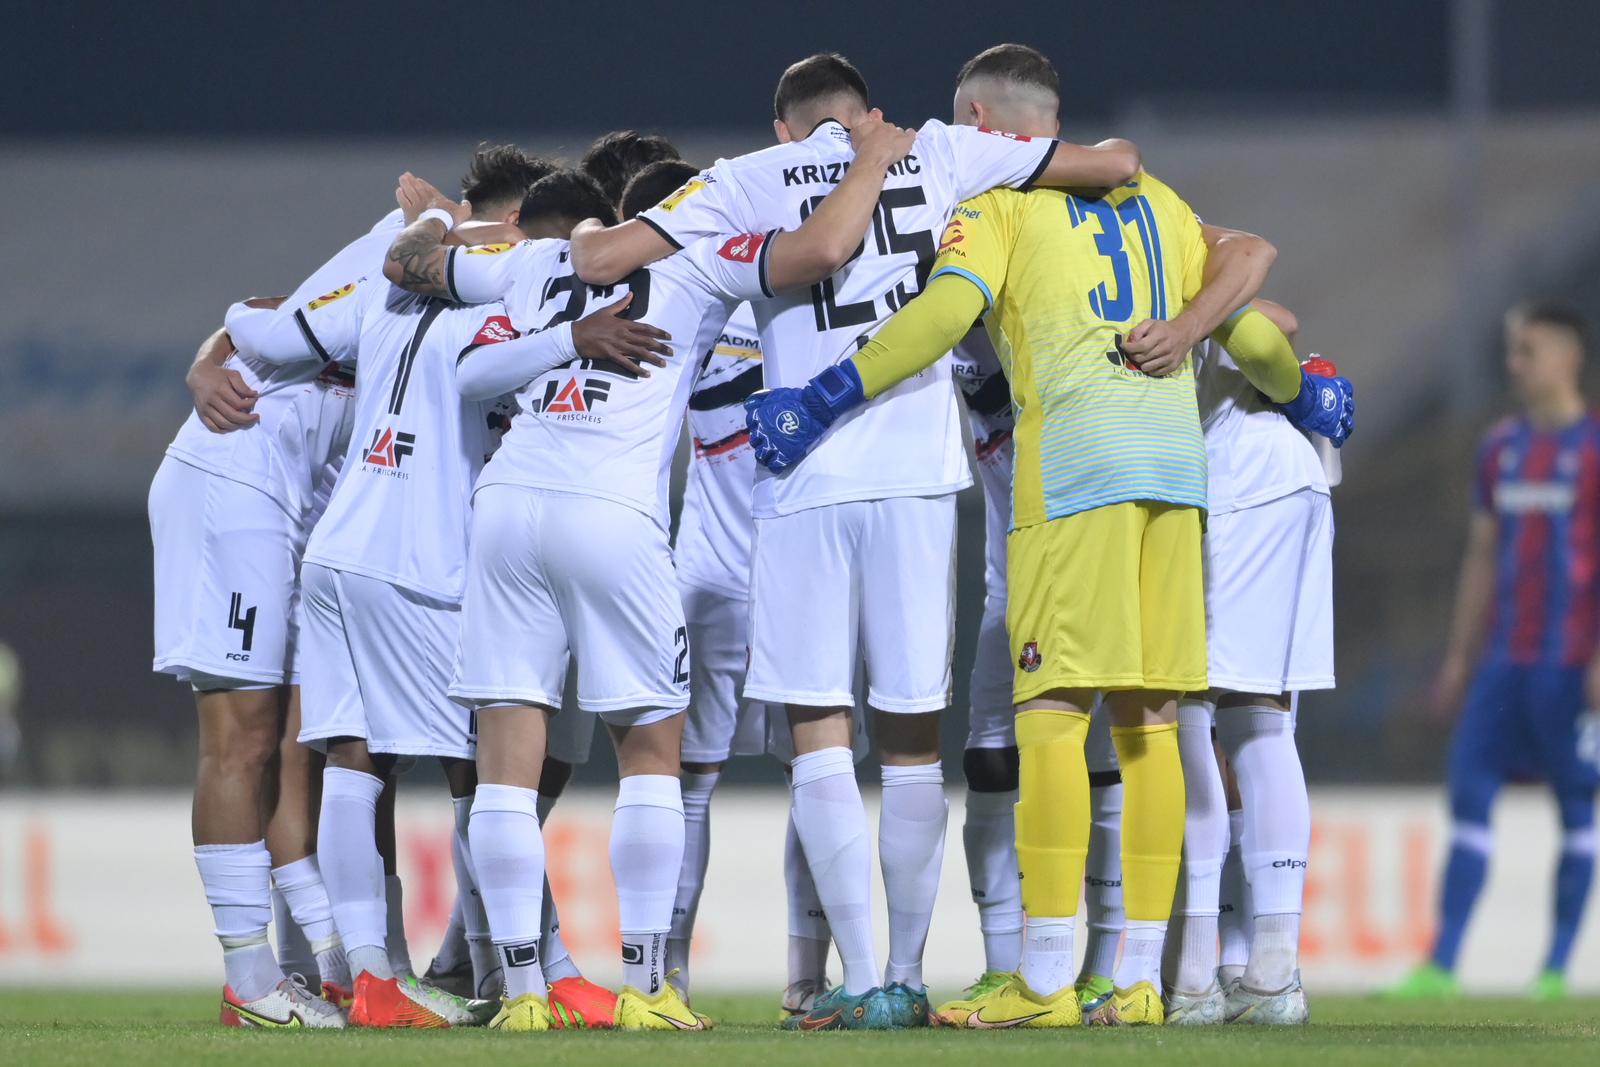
(419, 261)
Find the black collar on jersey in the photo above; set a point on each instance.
(823, 122)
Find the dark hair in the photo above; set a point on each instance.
(654, 184)
(616, 157)
(501, 173)
(815, 77)
(1013, 63)
(1561, 316)
(567, 194)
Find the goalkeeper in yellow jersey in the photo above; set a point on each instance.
(1087, 298)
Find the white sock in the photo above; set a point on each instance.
(989, 837)
(238, 885)
(911, 829)
(1260, 745)
(1233, 920)
(352, 870)
(692, 877)
(808, 926)
(300, 883)
(554, 956)
(1274, 953)
(474, 919)
(394, 941)
(832, 823)
(646, 856)
(508, 858)
(1047, 953)
(1141, 954)
(1205, 845)
(293, 950)
(1102, 881)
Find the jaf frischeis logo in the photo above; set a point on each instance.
(571, 399)
(388, 451)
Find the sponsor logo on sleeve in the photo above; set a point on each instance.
(743, 248)
(328, 298)
(953, 235)
(1003, 133)
(489, 250)
(685, 191)
(495, 329)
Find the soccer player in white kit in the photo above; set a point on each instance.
(569, 552)
(855, 560)
(383, 578)
(1269, 631)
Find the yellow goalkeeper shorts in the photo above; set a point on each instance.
(1110, 598)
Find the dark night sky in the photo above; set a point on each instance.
(219, 69)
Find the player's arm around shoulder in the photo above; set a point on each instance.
(830, 235)
(604, 255)
(417, 259)
(1113, 162)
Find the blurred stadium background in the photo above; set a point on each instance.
(1420, 166)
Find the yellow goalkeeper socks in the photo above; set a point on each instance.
(1053, 810)
(1152, 818)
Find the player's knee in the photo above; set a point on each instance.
(990, 770)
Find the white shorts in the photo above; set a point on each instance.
(872, 580)
(226, 558)
(992, 717)
(550, 574)
(720, 723)
(1269, 596)
(376, 663)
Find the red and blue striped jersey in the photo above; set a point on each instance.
(1543, 488)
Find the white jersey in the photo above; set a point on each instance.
(587, 427)
(1253, 455)
(990, 415)
(305, 408)
(907, 442)
(715, 528)
(401, 507)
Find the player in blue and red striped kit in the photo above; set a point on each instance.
(1525, 632)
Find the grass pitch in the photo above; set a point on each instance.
(137, 1028)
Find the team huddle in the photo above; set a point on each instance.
(424, 488)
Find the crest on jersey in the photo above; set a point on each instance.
(489, 250)
(328, 298)
(743, 248)
(684, 192)
(495, 329)
(1030, 659)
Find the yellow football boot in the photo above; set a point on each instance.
(524, 1015)
(664, 1011)
(1012, 1004)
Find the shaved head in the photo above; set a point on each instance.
(1009, 87)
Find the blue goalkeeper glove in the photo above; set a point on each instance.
(1326, 405)
(786, 423)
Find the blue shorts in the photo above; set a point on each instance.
(1525, 723)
